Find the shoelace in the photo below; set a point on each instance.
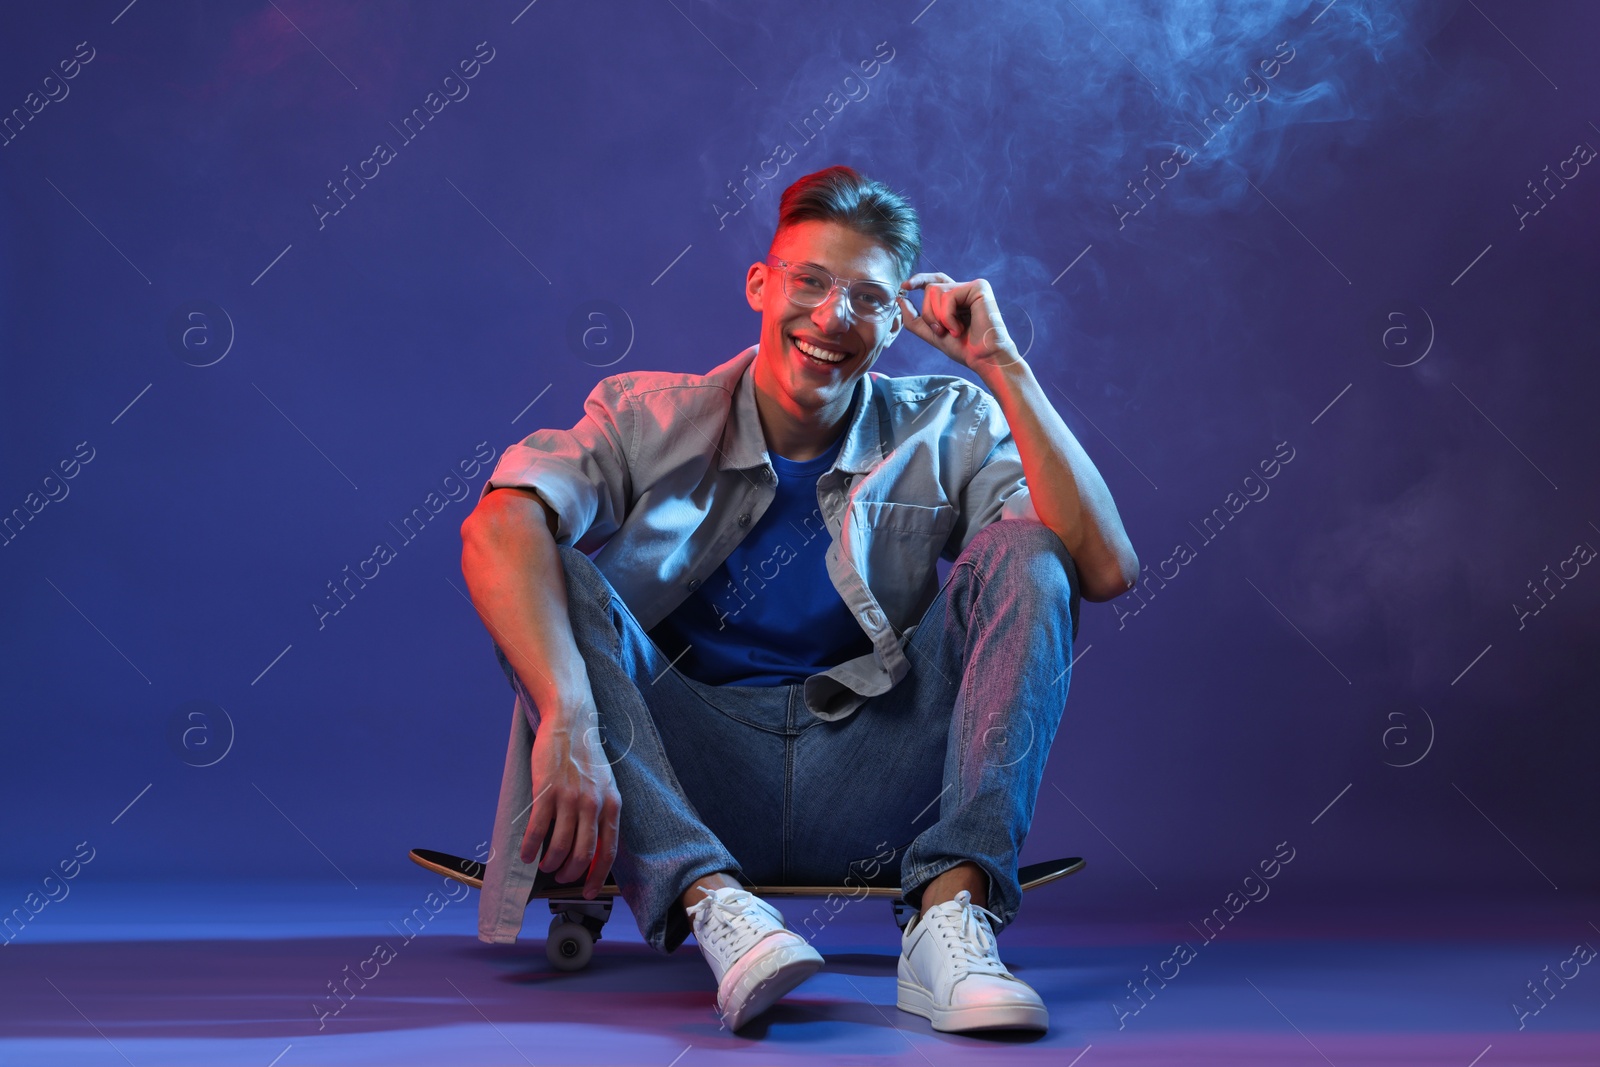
(969, 938)
(732, 906)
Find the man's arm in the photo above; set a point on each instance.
(1067, 491)
(517, 583)
(962, 320)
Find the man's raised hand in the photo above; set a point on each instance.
(960, 319)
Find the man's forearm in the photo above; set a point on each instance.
(516, 581)
(1068, 492)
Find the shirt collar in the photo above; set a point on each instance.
(744, 445)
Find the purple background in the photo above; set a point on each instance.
(1359, 617)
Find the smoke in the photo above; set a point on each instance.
(1021, 130)
(1071, 99)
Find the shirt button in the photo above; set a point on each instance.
(694, 583)
(873, 618)
(744, 520)
(768, 476)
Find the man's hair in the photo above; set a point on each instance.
(840, 194)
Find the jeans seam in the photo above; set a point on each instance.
(789, 741)
(976, 623)
(653, 734)
(721, 711)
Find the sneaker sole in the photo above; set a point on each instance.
(760, 981)
(919, 1001)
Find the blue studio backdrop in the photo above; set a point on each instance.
(1313, 283)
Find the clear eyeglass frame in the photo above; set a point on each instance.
(868, 290)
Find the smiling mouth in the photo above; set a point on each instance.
(816, 354)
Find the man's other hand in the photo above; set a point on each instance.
(574, 792)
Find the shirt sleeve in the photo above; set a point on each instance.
(582, 474)
(994, 488)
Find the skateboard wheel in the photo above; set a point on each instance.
(569, 945)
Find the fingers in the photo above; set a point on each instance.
(939, 312)
(605, 853)
(925, 323)
(560, 845)
(538, 825)
(943, 305)
(915, 323)
(582, 837)
(583, 843)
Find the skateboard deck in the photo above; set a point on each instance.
(470, 872)
(577, 923)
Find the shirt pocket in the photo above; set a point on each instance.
(897, 548)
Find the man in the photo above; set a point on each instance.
(757, 679)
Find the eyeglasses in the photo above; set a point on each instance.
(810, 286)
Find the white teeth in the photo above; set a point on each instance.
(819, 353)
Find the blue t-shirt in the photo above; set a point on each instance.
(770, 614)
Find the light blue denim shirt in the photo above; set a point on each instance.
(666, 473)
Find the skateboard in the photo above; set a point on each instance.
(576, 923)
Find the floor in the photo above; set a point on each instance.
(153, 975)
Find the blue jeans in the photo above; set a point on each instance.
(942, 769)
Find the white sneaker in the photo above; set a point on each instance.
(951, 974)
(755, 957)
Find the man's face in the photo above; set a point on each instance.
(783, 370)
